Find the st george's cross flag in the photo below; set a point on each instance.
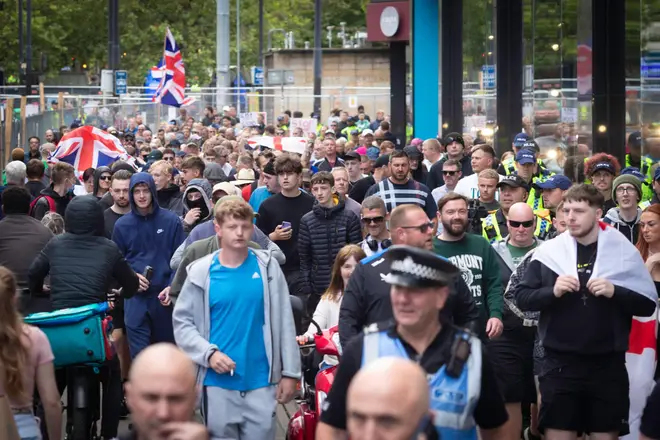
(89, 147)
(618, 261)
(172, 87)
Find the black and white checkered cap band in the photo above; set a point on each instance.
(407, 265)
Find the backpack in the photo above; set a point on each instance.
(51, 204)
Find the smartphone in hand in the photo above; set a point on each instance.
(286, 225)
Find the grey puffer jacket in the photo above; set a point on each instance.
(323, 232)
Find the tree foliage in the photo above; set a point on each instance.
(76, 33)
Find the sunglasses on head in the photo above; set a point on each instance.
(449, 173)
(423, 228)
(374, 220)
(525, 224)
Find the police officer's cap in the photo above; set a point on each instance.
(513, 181)
(418, 268)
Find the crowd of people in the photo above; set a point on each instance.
(515, 297)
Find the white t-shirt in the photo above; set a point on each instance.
(469, 186)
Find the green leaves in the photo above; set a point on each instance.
(79, 30)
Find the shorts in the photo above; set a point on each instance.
(512, 358)
(584, 393)
(117, 314)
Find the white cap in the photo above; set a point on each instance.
(367, 131)
(225, 108)
(227, 187)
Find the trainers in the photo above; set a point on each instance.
(527, 435)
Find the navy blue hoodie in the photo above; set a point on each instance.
(149, 240)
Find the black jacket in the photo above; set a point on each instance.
(566, 325)
(323, 232)
(41, 207)
(367, 300)
(82, 263)
(170, 198)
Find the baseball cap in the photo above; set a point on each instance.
(225, 108)
(531, 144)
(382, 161)
(605, 166)
(415, 142)
(520, 139)
(175, 143)
(635, 139)
(556, 181)
(412, 152)
(525, 156)
(172, 121)
(513, 181)
(362, 151)
(367, 132)
(634, 171)
(656, 175)
(330, 132)
(453, 137)
(373, 153)
(226, 187)
(352, 155)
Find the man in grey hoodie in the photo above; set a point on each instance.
(234, 319)
(627, 193)
(197, 205)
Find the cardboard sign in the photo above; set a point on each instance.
(251, 119)
(290, 144)
(308, 125)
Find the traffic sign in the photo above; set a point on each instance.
(488, 76)
(257, 76)
(121, 82)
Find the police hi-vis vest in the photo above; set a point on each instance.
(453, 400)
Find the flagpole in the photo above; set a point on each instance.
(238, 56)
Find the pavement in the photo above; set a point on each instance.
(282, 421)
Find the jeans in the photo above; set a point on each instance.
(28, 426)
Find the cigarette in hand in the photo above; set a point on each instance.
(231, 372)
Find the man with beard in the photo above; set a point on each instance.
(475, 258)
(366, 297)
(119, 190)
(400, 189)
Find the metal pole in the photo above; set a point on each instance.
(317, 57)
(115, 32)
(21, 52)
(238, 55)
(222, 80)
(111, 36)
(28, 47)
(261, 51)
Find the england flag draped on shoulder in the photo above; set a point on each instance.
(172, 87)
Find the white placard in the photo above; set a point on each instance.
(352, 101)
(294, 144)
(250, 119)
(569, 115)
(308, 125)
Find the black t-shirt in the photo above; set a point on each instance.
(110, 217)
(279, 208)
(651, 416)
(35, 187)
(586, 257)
(489, 412)
(360, 188)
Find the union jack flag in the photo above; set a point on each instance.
(171, 90)
(89, 147)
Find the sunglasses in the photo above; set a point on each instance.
(108, 178)
(526, 224)
(449, 173)
(423, 228)
(168, 158)
(374, 220)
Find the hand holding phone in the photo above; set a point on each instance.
(286, 225)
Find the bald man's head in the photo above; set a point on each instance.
(387, 399)
(406, 224)
(521, 223)
(161, 389)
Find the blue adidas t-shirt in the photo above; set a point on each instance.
(236, 298)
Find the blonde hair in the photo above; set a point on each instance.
(164, 166)
(489, 173)
(235, 207)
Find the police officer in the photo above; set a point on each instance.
(527, 167)
(507, 167)
(366, 298)
(513, 189)
(635, 159)
(463, 388)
